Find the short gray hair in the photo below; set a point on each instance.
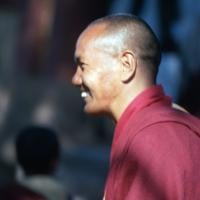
(136, 35)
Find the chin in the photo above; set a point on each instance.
(93, 111)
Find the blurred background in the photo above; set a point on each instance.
(37, 39)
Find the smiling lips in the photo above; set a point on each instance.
(84, 94)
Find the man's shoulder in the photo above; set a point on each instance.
(174, 116)
(163, 115)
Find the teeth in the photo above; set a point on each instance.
(84, 94)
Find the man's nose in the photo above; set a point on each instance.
(77, 79)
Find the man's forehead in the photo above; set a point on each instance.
(96, 37)
(95, 29)
(92, 32)
(87, 38)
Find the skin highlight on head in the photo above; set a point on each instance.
(126, 55)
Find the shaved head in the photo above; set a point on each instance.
(117, 57)
(127, 32)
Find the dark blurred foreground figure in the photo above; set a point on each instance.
(155, 149)
(37, 153)
(15, 191)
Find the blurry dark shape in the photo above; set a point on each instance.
(169, 14)
(48, 32)
(15, 191)
(8, 4)
(186, 32)
(37, 152)
(138, 4)
(37, 18)
(190, 98)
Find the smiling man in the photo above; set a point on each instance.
(93, 57)
(155, 149)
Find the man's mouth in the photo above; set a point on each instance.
(84, 94)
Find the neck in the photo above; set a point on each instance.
(129, 93)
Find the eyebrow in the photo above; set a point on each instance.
(77, 59)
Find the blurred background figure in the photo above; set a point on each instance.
(15, 191)
(37, 153)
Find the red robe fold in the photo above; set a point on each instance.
(155, 152)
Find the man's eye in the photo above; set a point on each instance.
(81, 65)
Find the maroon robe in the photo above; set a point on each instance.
(155, 153)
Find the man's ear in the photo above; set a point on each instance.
(129, 65)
